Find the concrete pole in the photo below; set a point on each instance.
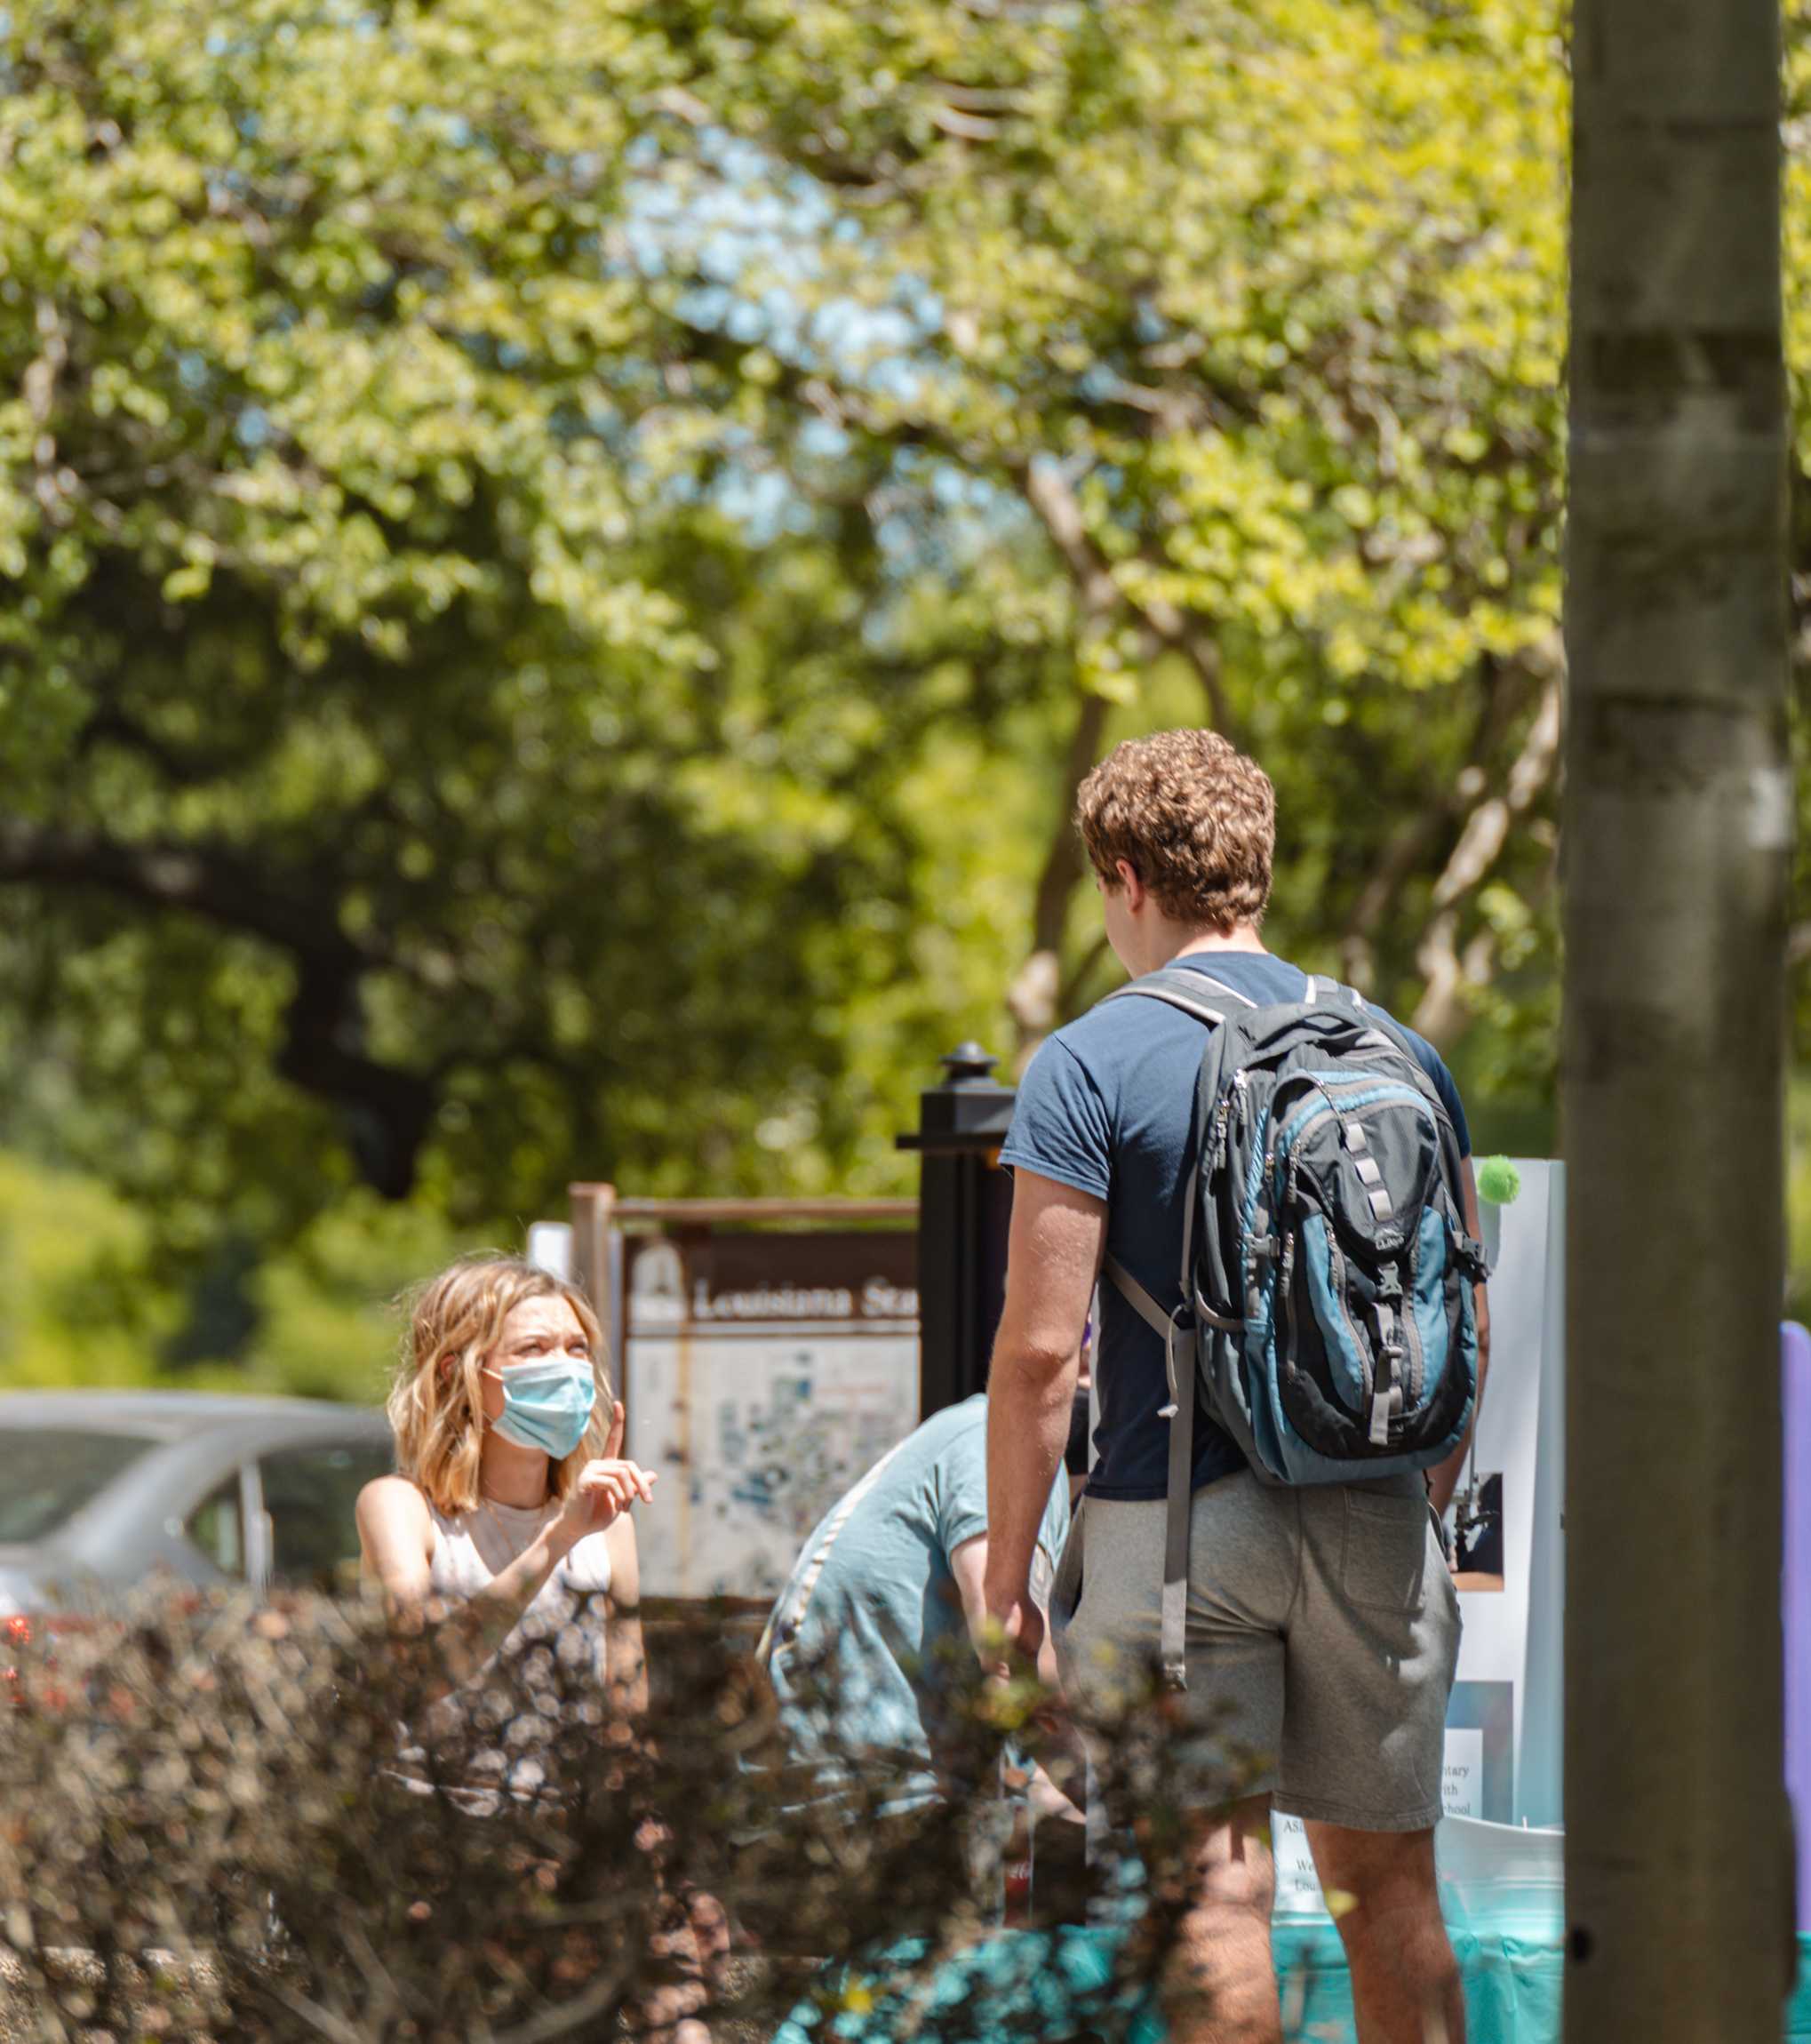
(1678, 817)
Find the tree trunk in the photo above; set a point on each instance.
(1677, 815)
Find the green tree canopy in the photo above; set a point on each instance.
(434, 750)
(562, 567)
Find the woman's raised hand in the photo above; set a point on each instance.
(606, 1488)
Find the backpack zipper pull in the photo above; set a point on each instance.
(1223, 1115)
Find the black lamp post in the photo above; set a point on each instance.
(964, 1205)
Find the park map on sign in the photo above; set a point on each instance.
(763, 1374)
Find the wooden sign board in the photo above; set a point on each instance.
(764, 1368)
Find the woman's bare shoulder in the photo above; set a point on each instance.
(393, 1501)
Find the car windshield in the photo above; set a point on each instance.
(48, 1473)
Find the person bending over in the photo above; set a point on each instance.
(870, 1646)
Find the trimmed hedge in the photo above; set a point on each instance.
(204, 1833)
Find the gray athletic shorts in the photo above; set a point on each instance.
(1323, 1629)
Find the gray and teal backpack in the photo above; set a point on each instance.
(1327, 1272)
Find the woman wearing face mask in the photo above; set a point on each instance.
(507, 1531)
(508, 1525)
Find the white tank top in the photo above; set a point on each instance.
(470, 1548)
(552, 1662)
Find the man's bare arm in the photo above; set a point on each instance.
(1053, 1258)
(968, 1566)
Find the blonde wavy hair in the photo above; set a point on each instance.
(436, 1405)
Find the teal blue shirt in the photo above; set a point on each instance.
(867, 1640)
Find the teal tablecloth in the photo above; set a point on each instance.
(1025, 1985)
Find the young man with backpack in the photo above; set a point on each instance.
(1271, 1181)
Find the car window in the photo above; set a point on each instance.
(216, 1526)
(48, 1473)
(309, 1497)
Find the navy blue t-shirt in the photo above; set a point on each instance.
(1107, 1106)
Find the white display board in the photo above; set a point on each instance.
(550, 1247)
(763, 1375)
(1503, 1724)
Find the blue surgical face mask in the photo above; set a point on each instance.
(546, 1404)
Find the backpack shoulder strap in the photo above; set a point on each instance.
(1209, 1000)
(1219, 986)
(1194, 992)
(1178, 1489)
(1136, 1296)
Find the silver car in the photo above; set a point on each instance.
(98, 1489)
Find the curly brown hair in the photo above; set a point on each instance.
(1193, 818)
